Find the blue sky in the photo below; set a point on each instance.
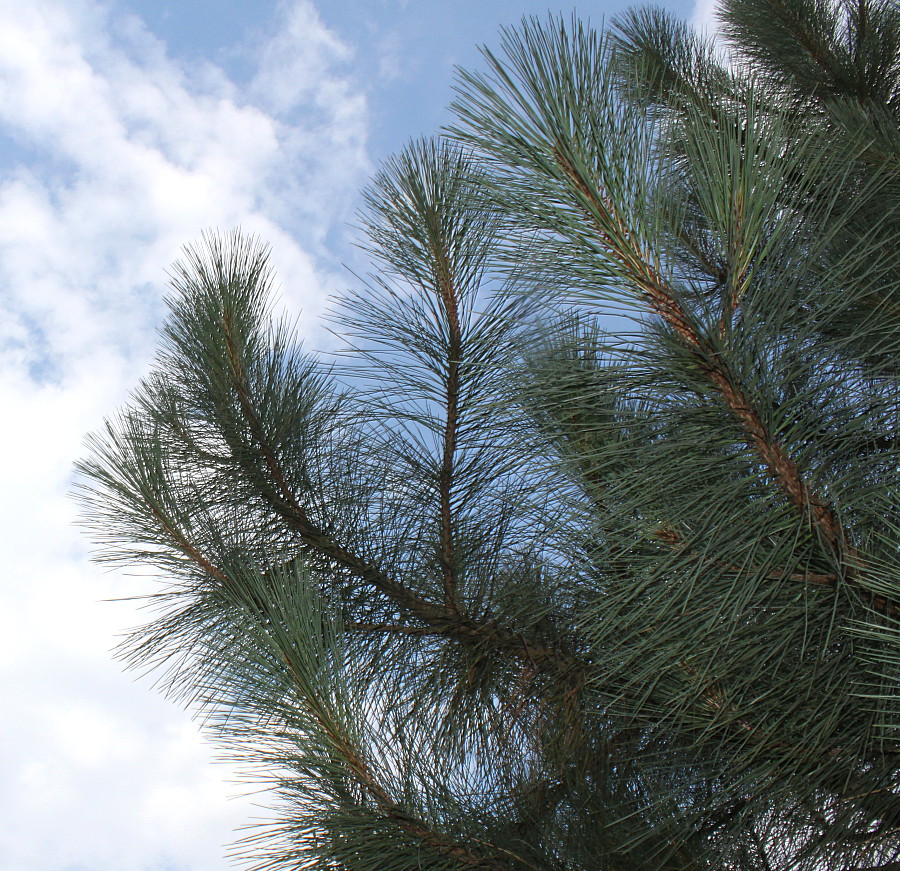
(125, 129)
(403, 51)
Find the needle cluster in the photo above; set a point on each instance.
(584, 553)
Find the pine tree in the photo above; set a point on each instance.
(513, 584)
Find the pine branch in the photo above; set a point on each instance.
(442, 619)
(392, 811)
(634, 609)
(676, 541)
(663, 301)
(360, 770)
(454, 360)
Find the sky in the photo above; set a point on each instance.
(126, 128)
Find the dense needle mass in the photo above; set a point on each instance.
(501, 589)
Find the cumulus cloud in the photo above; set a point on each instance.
(114, 155)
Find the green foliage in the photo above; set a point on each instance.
(515, 586)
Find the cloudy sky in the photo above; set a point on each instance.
(126, 128)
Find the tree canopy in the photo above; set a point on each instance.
(583, 555)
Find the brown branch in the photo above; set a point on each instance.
(445, 478)
(533, 656)
(442, 619)
(352, 759)
(186, 548)
(240, 386)
(671, 537)
(362, 773)
(663, 301)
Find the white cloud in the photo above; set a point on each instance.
(114, 155)
(703, 15)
